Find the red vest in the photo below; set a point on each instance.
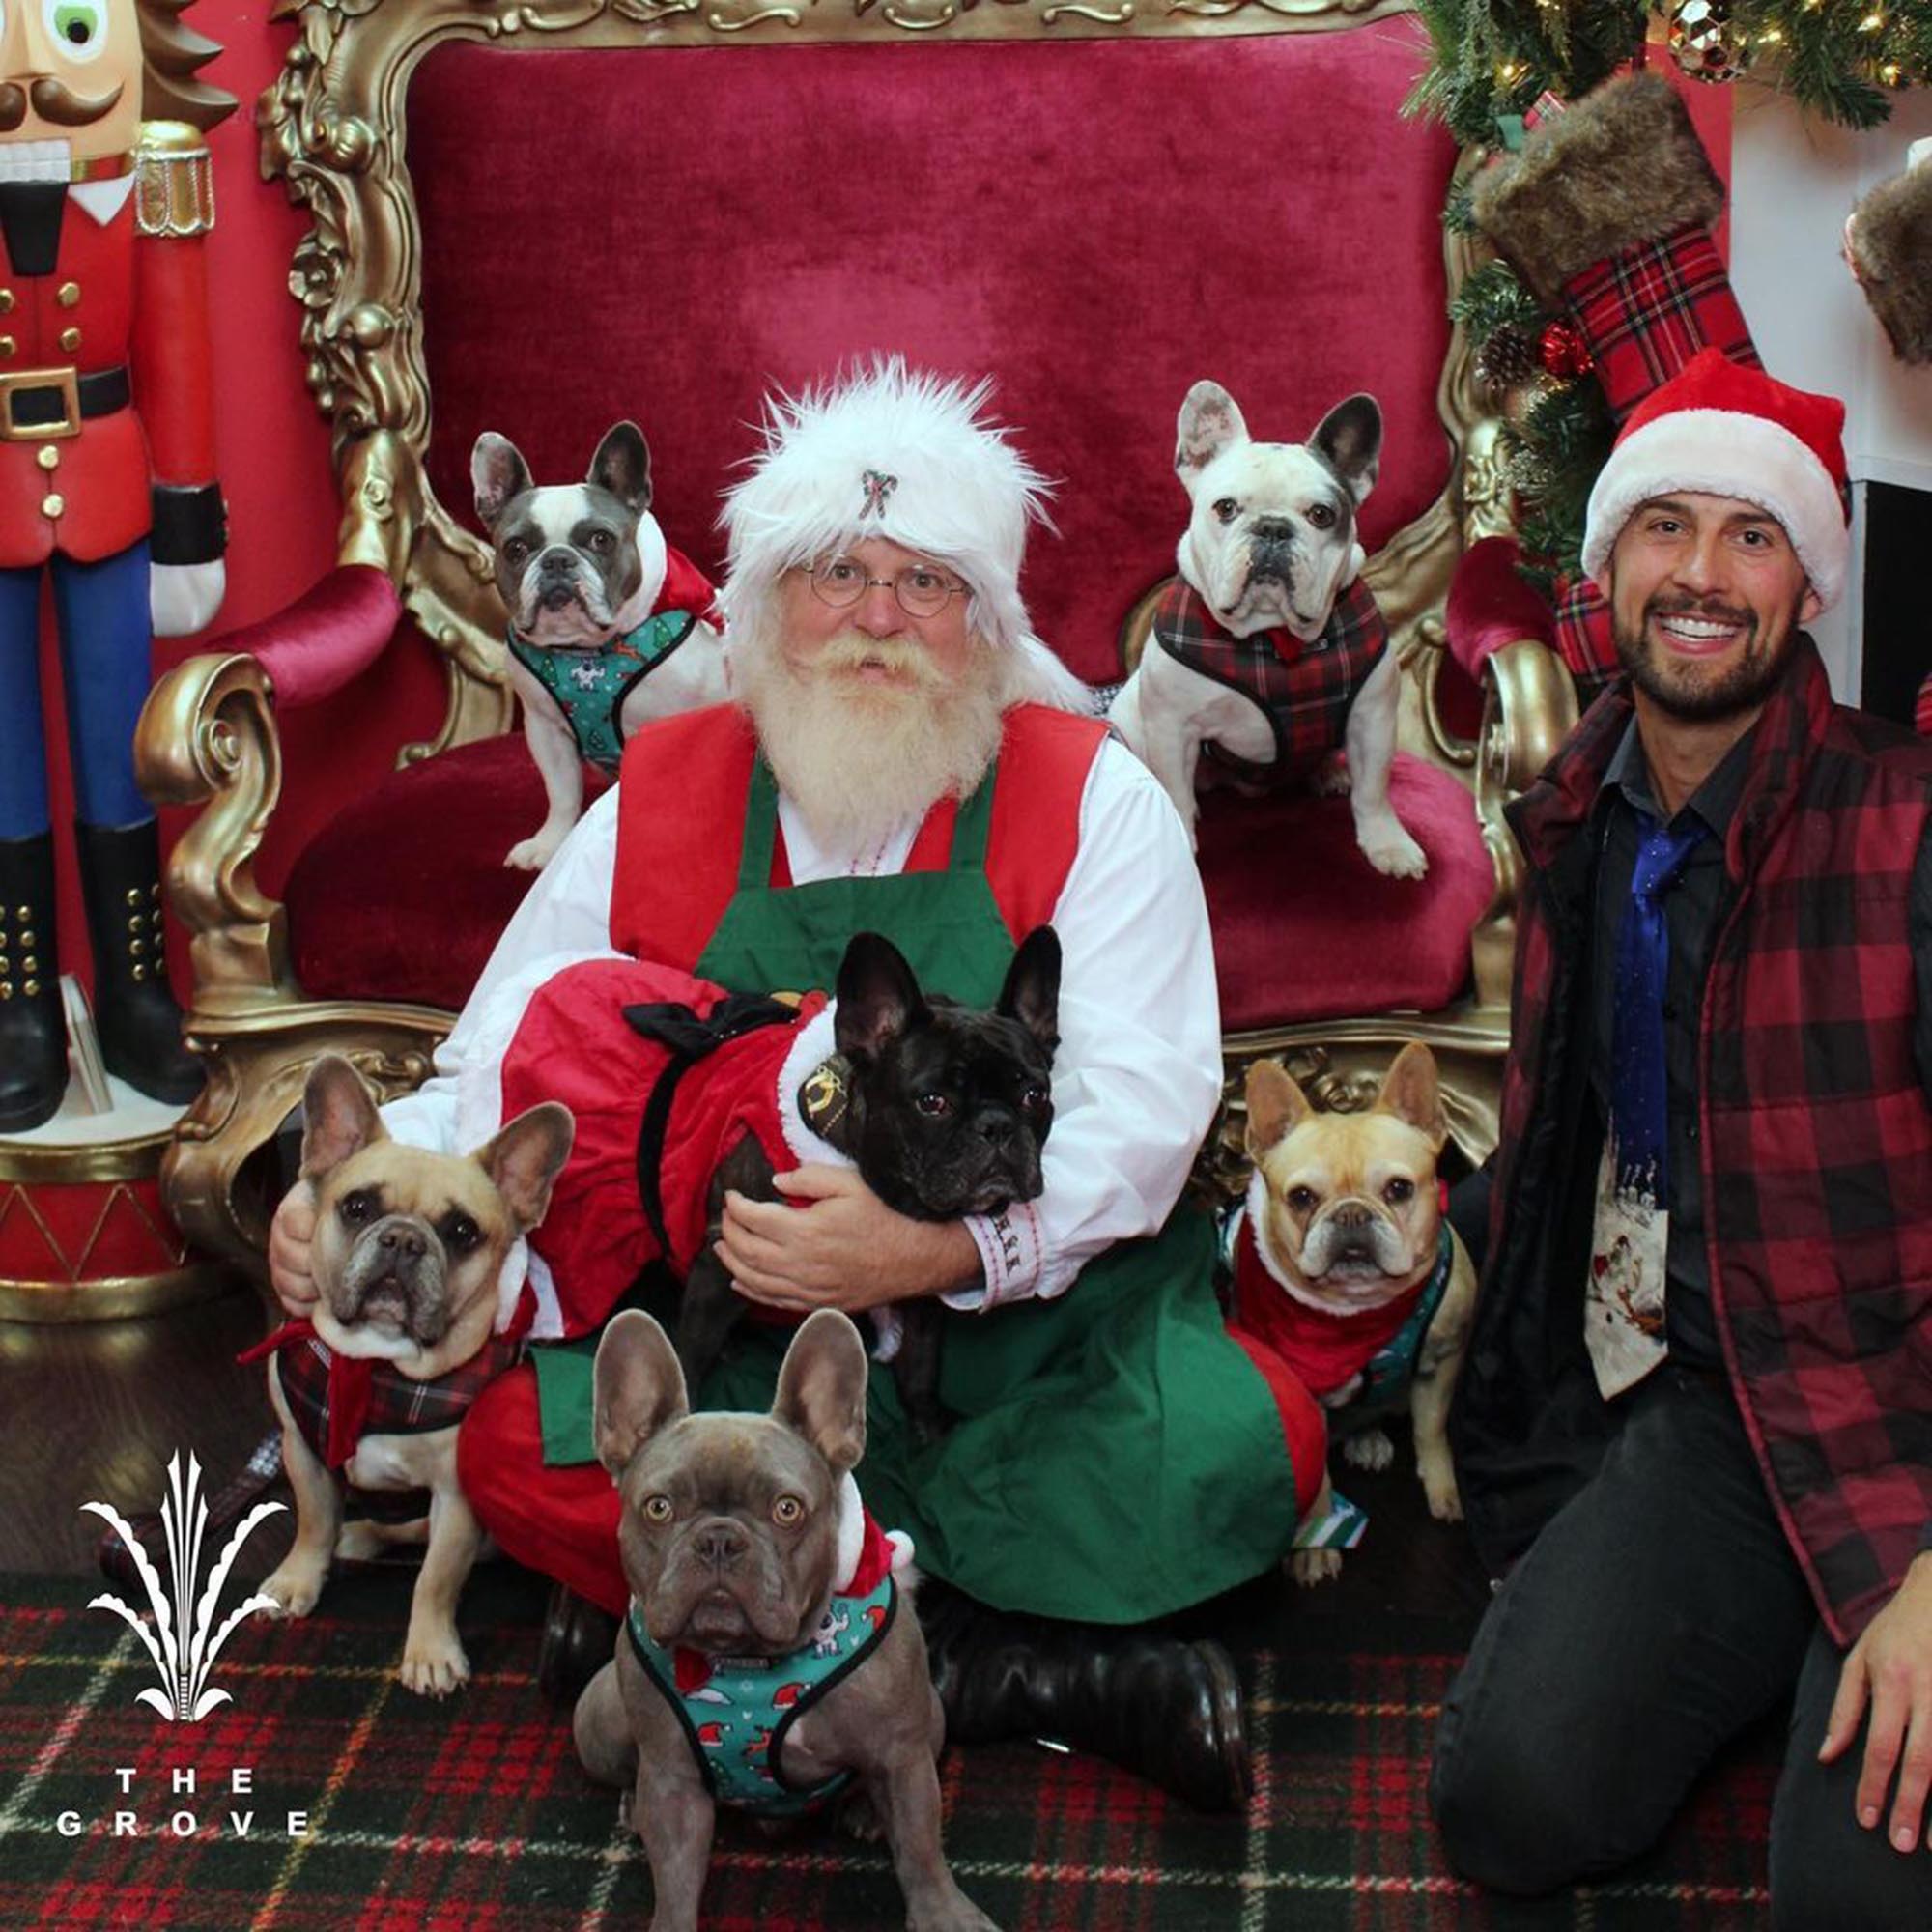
(681, 818)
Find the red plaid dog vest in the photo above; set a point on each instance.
(1305, 690)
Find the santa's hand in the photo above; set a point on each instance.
(1891, 1668)
(182, 598)
(844, 1248)
(291, 1238)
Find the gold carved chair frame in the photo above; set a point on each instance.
(334, 129)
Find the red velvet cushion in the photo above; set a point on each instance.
(666, 233)
(1305, 929)
(402, 895)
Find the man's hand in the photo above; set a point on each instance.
(847, 1249)
(1891, 1668)
(291, 1235)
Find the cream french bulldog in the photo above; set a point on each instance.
(1269, 550)
(580, 568)
(1347, 1268)
(771, 1656)
(413, 1320)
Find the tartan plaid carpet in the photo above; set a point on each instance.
(474, 1813)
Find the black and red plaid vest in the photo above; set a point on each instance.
(1305, 690)
(325, 1392)
(1815, 1131)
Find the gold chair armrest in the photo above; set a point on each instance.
(1529, 706)
(207, 734)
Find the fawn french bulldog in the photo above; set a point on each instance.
(1347, 1268)
(416, 1316)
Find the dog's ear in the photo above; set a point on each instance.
(524, 1159)
(1276, 1106)
(1032, 992)
(822, 1388)
(878, 998)
(1211, 421)
(622, 466)
(1348, 439)
(498, 475)
(1412, 1092)
(339, 1117)
(638, 1387)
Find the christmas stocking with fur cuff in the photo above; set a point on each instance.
(1888, 243)
(1608, 211)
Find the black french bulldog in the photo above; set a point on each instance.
(942, 1108)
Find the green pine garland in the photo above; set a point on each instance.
(1838, 59)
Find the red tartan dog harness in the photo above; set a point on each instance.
(336, 1401)
(1305, 690)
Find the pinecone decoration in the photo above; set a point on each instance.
(1506, 356)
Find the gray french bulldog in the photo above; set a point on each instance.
(734, 1532)
(580, 568)
(1271, 544)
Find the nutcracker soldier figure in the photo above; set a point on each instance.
(107, 487)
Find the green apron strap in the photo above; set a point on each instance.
(974, 826)
(761, 830)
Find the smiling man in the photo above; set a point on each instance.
(1694, 1432)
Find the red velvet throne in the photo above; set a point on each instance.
(552, 216)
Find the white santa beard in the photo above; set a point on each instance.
(859, 760)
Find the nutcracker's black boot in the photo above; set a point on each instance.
(139, 1024)
(33, 1030)
(1169, 1710)
(578, 1639)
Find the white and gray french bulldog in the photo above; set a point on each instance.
(751, 1669)
(580, 568)
(1270, 548)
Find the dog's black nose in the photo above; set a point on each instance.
(558, 561)
(996, 1129)
(720, 1543)
(1352, 1216)
(1271, 529)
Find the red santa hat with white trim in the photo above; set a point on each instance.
(1723, 430)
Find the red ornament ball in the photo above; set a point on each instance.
(1563, 351)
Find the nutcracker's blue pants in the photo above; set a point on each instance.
(105, 646)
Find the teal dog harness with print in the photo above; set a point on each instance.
(736, 1710)
(590, 686)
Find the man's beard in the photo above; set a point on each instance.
(856, 758)
(1743, 688)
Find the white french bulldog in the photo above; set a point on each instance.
(580, 568)
(1270, 547)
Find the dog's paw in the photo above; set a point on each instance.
(296, 1586)
(1370, 1450)
(1332, 778)
(1438, 1485)
(859, 1817)
(1392, 852)
(1309, 1567)
(433, 1661)
(533, 855)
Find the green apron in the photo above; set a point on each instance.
(1116, 1456)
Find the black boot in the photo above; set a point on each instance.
(1169, 1710)
(578, 1639)
(140, 1026)
(33, 1030)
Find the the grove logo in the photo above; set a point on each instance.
(184, 1648)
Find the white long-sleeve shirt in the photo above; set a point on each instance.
(1137, 1074)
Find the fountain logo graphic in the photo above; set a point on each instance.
(183, 1648)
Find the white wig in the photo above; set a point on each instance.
(887, 452)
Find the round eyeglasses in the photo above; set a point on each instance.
(922, 589)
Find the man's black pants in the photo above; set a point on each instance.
(1658, 1614)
